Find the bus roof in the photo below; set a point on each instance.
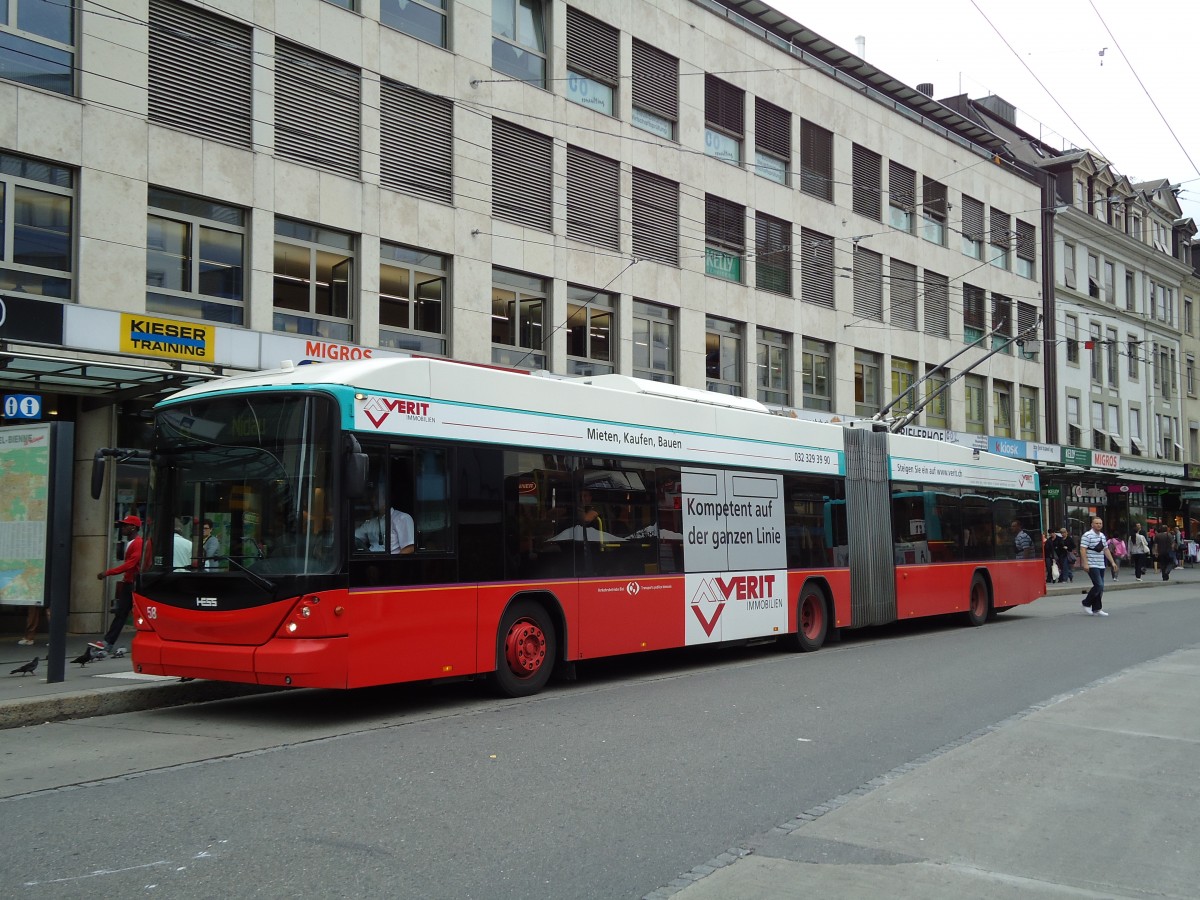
(604, 399)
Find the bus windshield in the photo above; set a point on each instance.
(243, 484)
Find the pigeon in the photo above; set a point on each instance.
(88, 655)
(26, 669)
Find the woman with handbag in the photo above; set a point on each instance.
(1066, 556)
(1139, 549)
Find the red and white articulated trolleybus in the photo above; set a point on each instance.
(382, 521)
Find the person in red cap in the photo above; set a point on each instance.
(130, 526)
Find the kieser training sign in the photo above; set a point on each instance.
(148, 336)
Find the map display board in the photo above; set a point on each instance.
(24, 513)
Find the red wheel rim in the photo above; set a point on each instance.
(525, 647)
(978, 600)
(811, 616)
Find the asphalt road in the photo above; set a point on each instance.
(609, 786)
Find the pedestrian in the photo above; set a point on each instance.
(209, 545)
(1051, 551)
(1066, 556)
(1162, 546)
(1095, 545)
(1116, 552)
(130, 526)
(1140, 551)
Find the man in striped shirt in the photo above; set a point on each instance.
(1095, 545)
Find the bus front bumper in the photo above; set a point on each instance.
(282, 662)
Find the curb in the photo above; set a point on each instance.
(109, 701)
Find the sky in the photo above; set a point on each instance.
(1108, 75)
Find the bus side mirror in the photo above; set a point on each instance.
(354, 478)
(97, 474)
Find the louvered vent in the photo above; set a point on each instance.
(416, 142)
(593, 199)
(522, 176)
(318, 110)
(655, 218)
(200, 70)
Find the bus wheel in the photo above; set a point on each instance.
(812, 620)
(525, 650)
(980, 605)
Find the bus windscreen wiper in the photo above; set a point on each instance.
(265, 584)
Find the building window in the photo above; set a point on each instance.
(1097, 348)
(655, 90)
(724, 238)
(1114, 351)
(868, 284)
(723, 356)
(1187, 318)
(1135, 431)
(423, 19)
(1027, 320)
(655, 218)
(974, 313)
(816, 372)
(1110, 284)
(1133, 350)
(518, 320)
(592, 49)
(412, 299)
(1074, 426)
(37, 44)
(1029, 413)
(774, 367)
(976, 403)
(318, 107)
(195, 257)
(816, 160)
(933, 211)
(314, 280)
(902, 196)
(867, 177)
(868, 383)
(1130, 293)
(1069, 265)
(773, 254)
(590, 331)
(937, 304)
(1189, 374)
(1026, 249)
(772, 141)
(1099, 435)
(653, 342)
(36, 227)
(1071, 335)
(816, 268)
(1002, 323)
(999, 239)
(416, 135)
(903, 292)
(1002, 409)
(904, 376)
(724, 120)
(1114, 428)
(200, 72)
(973, 228)
(519, 40)
(1093, 276)
(522, 176)
(593, 199)
(937, 400)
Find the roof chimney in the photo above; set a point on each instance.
(926, 88)
(860, 46)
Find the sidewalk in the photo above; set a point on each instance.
(1091, 794)
(102, 687)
